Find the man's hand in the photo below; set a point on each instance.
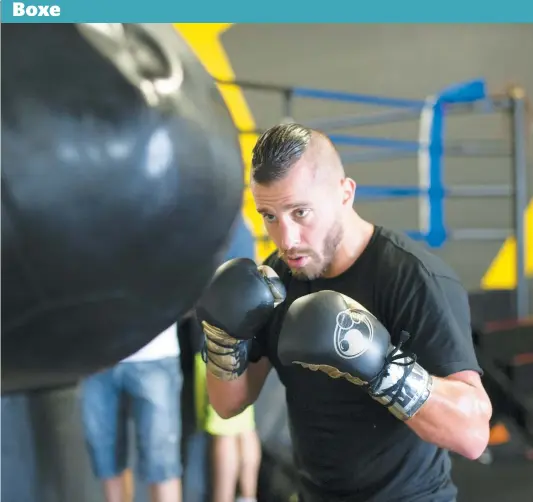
(235, 306)
(330, 332)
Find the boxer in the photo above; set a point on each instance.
(370, 335)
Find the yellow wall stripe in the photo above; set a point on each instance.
(501, 273)
(204, 40)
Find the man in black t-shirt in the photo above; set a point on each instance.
(369, 333)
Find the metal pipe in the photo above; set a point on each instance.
(409, 151)
(470, 191)
(490, 105)
(326, 125)
(255, 86)
(376, 155)
(479, 234)
(305, 92)
(478, 148)
(352, 97)
(380, 192)
(493, 103)
(518, 115)
(374, 141)
(395, 148)
(479, 191)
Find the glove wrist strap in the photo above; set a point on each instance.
(226, 357)
(403, 386)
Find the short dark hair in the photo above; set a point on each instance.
(277, 150)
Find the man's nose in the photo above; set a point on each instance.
(290, 236)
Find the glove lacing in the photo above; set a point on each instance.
(393, 357)
(236, 352)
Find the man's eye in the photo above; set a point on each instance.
(301, 213)
(269, 218)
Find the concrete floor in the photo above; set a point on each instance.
(502, 482)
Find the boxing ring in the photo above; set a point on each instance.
(430, 151)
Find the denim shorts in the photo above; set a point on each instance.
(147, 391)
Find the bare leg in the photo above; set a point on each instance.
(119, 488)
(168, 491)
(250, 456)
(129, 485)
(225, 467)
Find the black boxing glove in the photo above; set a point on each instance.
(330, 332)
(235, 306)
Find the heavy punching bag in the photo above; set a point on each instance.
(121, 180)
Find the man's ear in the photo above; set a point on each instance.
(348, 191)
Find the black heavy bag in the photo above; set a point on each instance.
(121, 179)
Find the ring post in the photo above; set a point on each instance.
(518, 114)
(431, 150)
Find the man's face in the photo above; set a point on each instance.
(302, 214)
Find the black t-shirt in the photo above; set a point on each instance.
(346, 445)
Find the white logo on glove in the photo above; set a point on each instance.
(353, 333)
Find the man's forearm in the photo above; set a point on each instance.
(455, 417)
(229, 398)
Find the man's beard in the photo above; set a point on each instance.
(319, 263)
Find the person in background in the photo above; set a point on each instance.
(235, 445)
(145, 387)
